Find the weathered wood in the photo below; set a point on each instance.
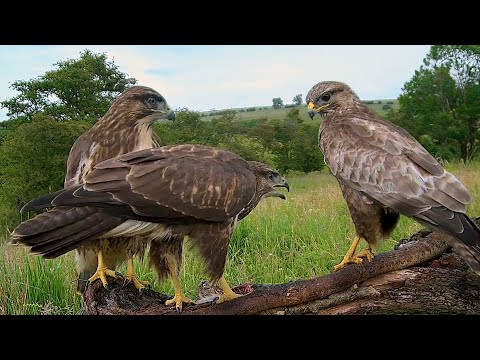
(401, 281)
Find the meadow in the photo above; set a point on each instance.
(280, 241)
(271, 113)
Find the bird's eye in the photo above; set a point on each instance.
(271, 176)
(152, 101)
(326, 97)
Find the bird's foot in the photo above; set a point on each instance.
(366, 253)
(227, 296)
(228, 293)
(178, 300)
(342, 264)
(131, 276)
(139, 284)
(355, 259)
(102, 274)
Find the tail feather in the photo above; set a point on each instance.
(60, 230)
(47, 224)
(41, 202)
(465, 235)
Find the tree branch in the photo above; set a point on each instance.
(392, 283)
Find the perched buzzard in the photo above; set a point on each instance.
(126, 127)
(165, 254)
(383, 172)
(182, 190)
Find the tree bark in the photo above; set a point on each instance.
(421, 276)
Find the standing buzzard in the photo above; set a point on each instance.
(383, 172)
(181, 190)
(126, 127)
(166, 253)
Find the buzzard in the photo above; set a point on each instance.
(165, 254)
(384, 172)
(126, 127)
(178, 190)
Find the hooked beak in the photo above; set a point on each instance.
(275, 193)
(284, 184)
(312, 110)
(169, 114)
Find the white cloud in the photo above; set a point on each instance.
(205, 77)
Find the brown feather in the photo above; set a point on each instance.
(125, 127)
(376, 159)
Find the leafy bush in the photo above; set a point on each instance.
(33, 161)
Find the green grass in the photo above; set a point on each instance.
(281, 113)
(302, 237)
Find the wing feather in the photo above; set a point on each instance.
(385, 162)
(192, 181)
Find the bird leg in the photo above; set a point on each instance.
(349, 257)
(366, 253)
(178, 298)
(102, 272)
(228, 293)
(130, 276)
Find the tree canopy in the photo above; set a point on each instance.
(77, 89)
(33, 161)
(277, 103)
(440, 105)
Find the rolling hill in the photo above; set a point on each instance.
(271, 113)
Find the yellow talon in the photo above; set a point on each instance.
(349, 255)
(178, 300)
(366, 253)
(350, 258)
(228, 293)
(102, 272)
(130, 276)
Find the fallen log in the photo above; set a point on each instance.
(420, 276)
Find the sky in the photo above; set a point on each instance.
(205, 77)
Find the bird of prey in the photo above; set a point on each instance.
(165, 254)
(126, 127)
(383, 172)
(178, 190)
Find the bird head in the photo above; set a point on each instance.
(142, 105)
(326, 96)
(267, 180)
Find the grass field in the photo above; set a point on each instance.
(302, 237)
(271, 113)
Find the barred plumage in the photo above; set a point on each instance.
(384, 171)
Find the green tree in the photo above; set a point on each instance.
(78, 89)
(296, 145)
(277, 103)
(33, 160)
(441, 103)
(297, 99)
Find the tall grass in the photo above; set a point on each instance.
(281, 241)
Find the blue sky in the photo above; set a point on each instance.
(203, 77)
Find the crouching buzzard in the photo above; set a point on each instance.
(179, 190)
(383, 172)
(165, 254)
